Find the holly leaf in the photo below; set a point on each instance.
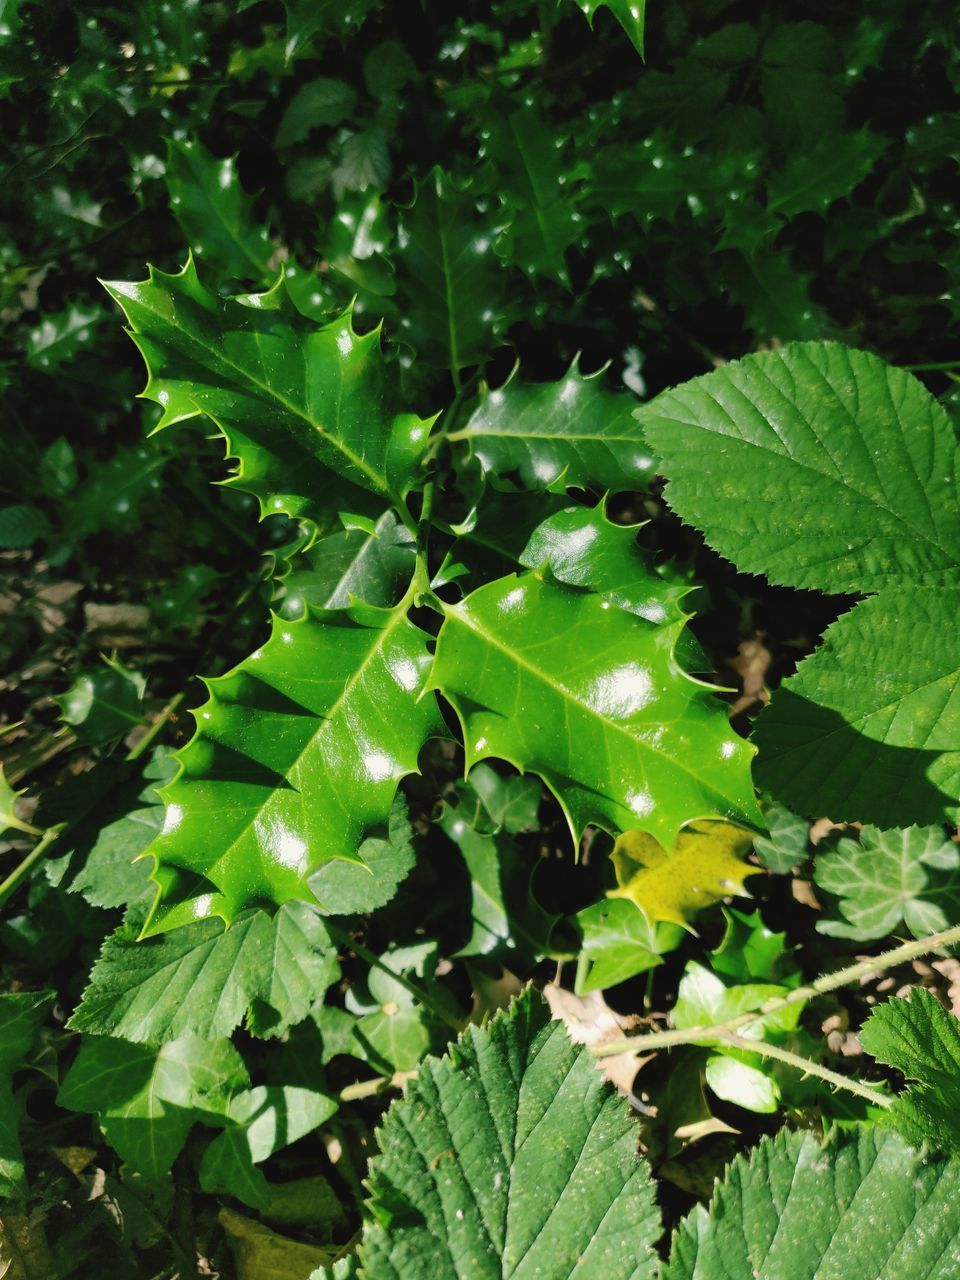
(867, 740)
(103, 704)
(555, 681)
(816, 176)
(215, 213)
(512, 1131)
(573, 432)
(309, 411)
(21, 1014)
(295, 761)
(8, 809)
(890, 878)
(454, 282)
(922, 1039)
(203, 979)
(861, 1205)
(59, 337)
(531, 179)
(371, 562)
(704, 866)
(816, 465)
(631, 14)
(620, 942)
(383, 863)
(148, 1098)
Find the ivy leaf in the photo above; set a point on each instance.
(863, 741)
(787, 843)
(147, 1099)
(889, 878)
(103, 704)
(555, 681)
(704, 866)
(59, 337)
(532, 182)
(260, 1121)
(395, 1029)
(454, 280)
(215, 213)
(631, 14)
(309, 411)
(815, 465)
(296, 760)
(21, 1014)
(204, 979)
(922, 1039)
(861, 1205)
(573, 432)
(511, 803)
(620, 942)
(513, 1130)
(371, 562)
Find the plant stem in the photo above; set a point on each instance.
(379, 1084)
(157, 727)
(935, 367)
(827, 982)
(8, 886)
(809, 1068)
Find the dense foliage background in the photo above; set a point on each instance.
(510, 193)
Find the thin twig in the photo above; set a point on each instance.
(809, 1068)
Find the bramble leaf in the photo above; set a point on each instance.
(205, 980)
(815, 465)
(591, 698)
(215, 213)
(860, 1206)
(704, 866)
(889, 878)
(922, 1039)
(571, 432)
(867, 738)
(510, 1156)
(296, 760)
(309, 411)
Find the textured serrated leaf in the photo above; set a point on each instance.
(922, 1039)
(571, 432)
(296, 760)
(205, 980)
(704, 866)
(815, 465)
(511, 1156)
(455, 283)
(557, 682)
(816, 176)
(318, 102)
(384, 862)
(310, 411)
(148, 1099)
(867, 730)
(889, 878)
(861, 1206)
(215, 213)
(20, 1016)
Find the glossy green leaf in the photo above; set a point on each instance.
(310, 412)
(532, 179)
(215, 213)
(749, 951)
(296, 760)
(21, 1014)
(147, 1099)
(59, 337)
(557, 682)
(205, 980)
(922, 1039)
(9, 819)
(103, 704)
(620, 942)
(867, 730)
(454, 281)
(860, 1206)
(511, 1156)
(815, 465)
(570, 432)
(888, 879)
(372, 563)
(631, 14)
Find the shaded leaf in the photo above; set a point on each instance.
(21, 1014)
(630, 14)
(103, 704)
(59, 337)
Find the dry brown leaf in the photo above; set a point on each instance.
(590, 1020)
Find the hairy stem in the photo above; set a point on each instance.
(827, 982)
(809, 1068)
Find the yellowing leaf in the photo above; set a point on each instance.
(705, 865)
